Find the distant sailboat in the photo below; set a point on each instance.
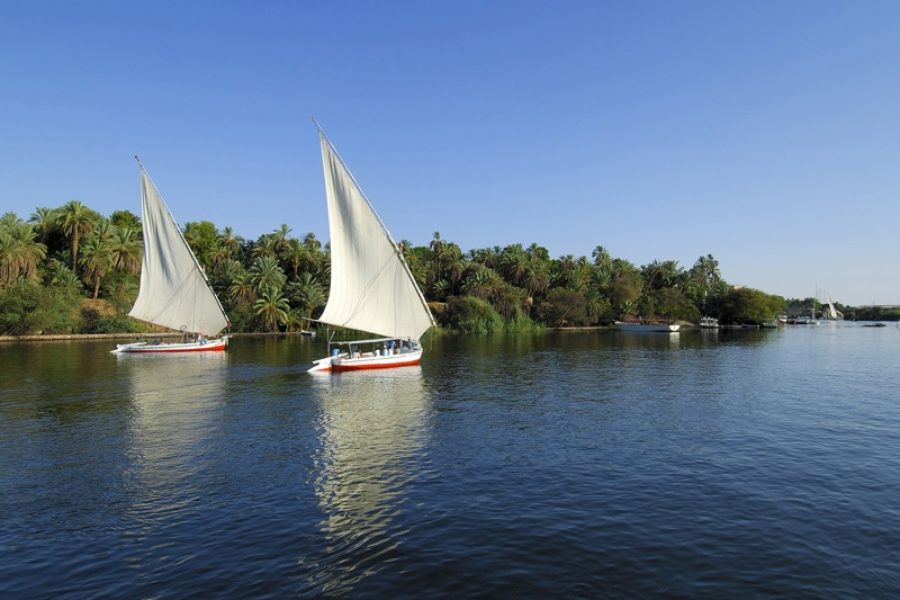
(174, 292)
(833, 313)
(372, 288)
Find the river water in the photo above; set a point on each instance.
(567, 464)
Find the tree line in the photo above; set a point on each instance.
(72, 270)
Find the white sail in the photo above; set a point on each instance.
(174, 290)
(372, 288)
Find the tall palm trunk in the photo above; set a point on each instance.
(75, 251)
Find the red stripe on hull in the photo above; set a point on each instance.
(375, 366)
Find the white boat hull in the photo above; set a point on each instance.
(647, 327)
(365, 361)
(217, 345)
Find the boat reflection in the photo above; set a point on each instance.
(372, 427)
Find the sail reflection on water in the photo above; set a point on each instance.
(372, 429)
(175, 404)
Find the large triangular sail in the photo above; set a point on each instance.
(372, 288)
(174, 290)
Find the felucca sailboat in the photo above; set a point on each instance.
(174, 292)
(372, 288)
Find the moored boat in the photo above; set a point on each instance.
(708, 323)
(647, 327)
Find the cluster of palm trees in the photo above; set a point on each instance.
(525, 282)
(73, 235)
(274, 283)
(279, 282)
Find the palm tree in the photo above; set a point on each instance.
(9, 220)
(563, 272)
(265, 247)
(76, 221)
(658, 275)
(488, 257)
(266, 273)
(295, 254)
(481, 283)
(230, 242)
(706, 272)
(308, 293)
(455, 262)
(440, 289)
(241, 290)
(280, 238)
(538, 252)
(602, 260)
(229, 270)
(61, 276)
(310, 241)
(514, 262)
(218, 255)
(126, 250)
(537, 278)
(272, 308)
(20, 253)
(45, 221)
(96, 261)
(104, 229)
(414, 261)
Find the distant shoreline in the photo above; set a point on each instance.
(69, 337)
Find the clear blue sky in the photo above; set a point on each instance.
(764, 133)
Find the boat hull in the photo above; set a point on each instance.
(217, 345)
(367, 361)
(647, 327)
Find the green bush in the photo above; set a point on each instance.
(28, 307)
(94, 322)
(467, 314)
(564, 308)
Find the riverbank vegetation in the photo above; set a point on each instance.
(71, 270)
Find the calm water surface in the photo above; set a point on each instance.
(592, 464)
